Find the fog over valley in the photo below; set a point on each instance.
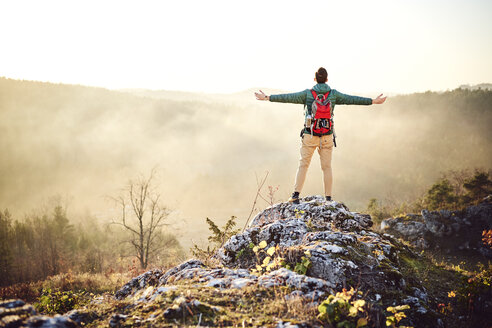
(81, 145)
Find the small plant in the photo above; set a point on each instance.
(217, 239)
(299, 267)
(269, 262)
(338, 310)
(445, 309)
(240, 253)
(245, 251)
(477, 283)
(304, 265)
(56, 301)
(310, 225)
(397, 315)
(298, 213)
(378, 252)
(487, 238)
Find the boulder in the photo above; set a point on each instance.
(16, 313)
(448, 232)
(340, 244)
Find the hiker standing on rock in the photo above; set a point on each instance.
(319, 130)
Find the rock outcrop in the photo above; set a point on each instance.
(16, 313)
(342, 248)
(448, 232)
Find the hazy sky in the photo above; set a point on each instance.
(228, 46)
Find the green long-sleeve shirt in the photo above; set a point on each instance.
(306, 98)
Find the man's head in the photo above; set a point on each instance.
(321, 75)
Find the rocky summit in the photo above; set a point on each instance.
(342, 250)
(296, 265)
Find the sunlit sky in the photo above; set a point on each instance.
(228, 46)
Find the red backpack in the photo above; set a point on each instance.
(321, 116)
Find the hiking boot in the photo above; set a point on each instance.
(294, 198)
(328, 198)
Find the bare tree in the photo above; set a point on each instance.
(143, 216)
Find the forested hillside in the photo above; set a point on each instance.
(84, 143)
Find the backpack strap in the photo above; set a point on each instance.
(314, 94)
(305, 105)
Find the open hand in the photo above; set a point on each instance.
(261, 95)
(379, 100)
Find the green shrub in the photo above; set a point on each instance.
(440, 195)
(377, 211)
(304, 265)
(455, 190)
(216, 239)
(53, 301)
(477, 187)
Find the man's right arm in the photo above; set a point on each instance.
(292, 98)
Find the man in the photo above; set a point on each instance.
(322, 137)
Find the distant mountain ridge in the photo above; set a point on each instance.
(485, 86)
(249, 93)
(192, 95)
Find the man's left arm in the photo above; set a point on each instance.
(344, 99)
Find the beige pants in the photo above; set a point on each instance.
(325, 148)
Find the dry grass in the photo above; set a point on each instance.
(286, 306)
(96, 283)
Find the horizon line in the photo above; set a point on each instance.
(126, 89)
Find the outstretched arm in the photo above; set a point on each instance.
(344, 99)
(293, 98)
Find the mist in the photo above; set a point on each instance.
(83, 144)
